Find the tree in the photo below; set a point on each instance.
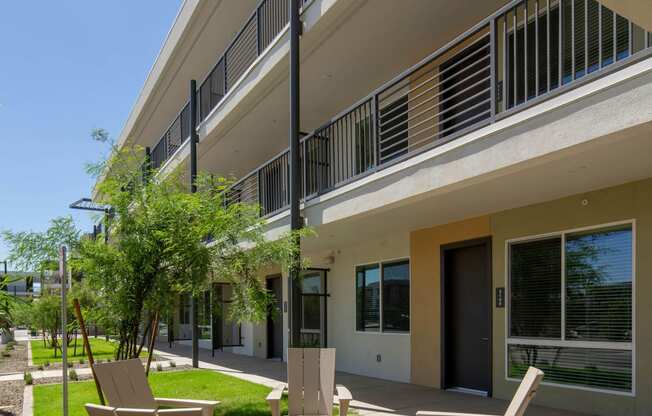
(39, 251)
(159, 246)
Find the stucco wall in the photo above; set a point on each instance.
(357, 351)
(630, 201)
(426, 296)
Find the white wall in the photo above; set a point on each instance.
(357, 351)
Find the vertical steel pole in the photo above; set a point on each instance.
(63, 277)
(193, 188)
(295, 128)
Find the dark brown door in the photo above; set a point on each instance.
(466, 311)
(275, 320)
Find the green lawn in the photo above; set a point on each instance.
(238, 397)
(101, 348)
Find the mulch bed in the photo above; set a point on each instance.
(17, 361)
(11, 399)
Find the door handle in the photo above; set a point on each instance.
(484, 339)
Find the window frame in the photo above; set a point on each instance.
(563, 342)
(380, 264)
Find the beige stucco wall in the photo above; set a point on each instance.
(425, 285)
(630, 201)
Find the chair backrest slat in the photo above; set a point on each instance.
(125, 385)
(326, 380)
(525, 392)
(295, 381)
(311, 381)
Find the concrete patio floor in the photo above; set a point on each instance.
(372, 396)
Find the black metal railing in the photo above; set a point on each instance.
(268, 20)
(525, 52)
(172, 139)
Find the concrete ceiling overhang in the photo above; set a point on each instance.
(199, 35)
(344, 58)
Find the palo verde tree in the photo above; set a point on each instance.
(159, 245)
(39, 252)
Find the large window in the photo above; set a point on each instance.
(570, 309)
(383, 297)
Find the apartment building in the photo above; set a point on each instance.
(478, 174)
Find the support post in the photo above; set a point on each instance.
(87, 346)
(193, 188)
(295, 169)
(63, 276)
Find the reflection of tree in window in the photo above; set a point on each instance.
(396, 296)
(599, 286)
(368, 298)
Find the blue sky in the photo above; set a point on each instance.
(67, 66)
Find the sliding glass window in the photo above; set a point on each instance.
(570, 308)
(383, 297)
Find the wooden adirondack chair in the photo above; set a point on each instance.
(97, 410)
(524, 395)
(311, 383)
(127, 391)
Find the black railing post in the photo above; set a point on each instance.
(258, 42)
(193, 188)
(295, 185)
(493, 50)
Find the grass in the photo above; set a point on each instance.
(101, 348)
(238, 397)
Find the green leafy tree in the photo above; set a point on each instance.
(39, 251)
(158, 246)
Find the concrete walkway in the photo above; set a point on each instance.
(372, 396)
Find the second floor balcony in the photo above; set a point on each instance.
(521, 55)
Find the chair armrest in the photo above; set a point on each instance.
(186, 411)
(424, 413)
(125, 411)
(344, 397)
(274, 399)
(98, 410)
(207, 406)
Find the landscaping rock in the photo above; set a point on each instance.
(11, 399)
(16, 362)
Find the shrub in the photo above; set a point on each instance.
(72, 374)
(81, 361)
(40, 367)
(70, 364)
(173, 364)
(28, 378)
(98, 361)
(46, 363)
(159, 367)
(6, 354)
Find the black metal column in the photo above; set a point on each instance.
(295, 169)
(193, 188)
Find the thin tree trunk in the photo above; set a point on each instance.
(87, 346)
(152, 340)
(145, 333)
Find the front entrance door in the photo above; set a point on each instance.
(309, 309)
(466, 309)
(275, 319)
